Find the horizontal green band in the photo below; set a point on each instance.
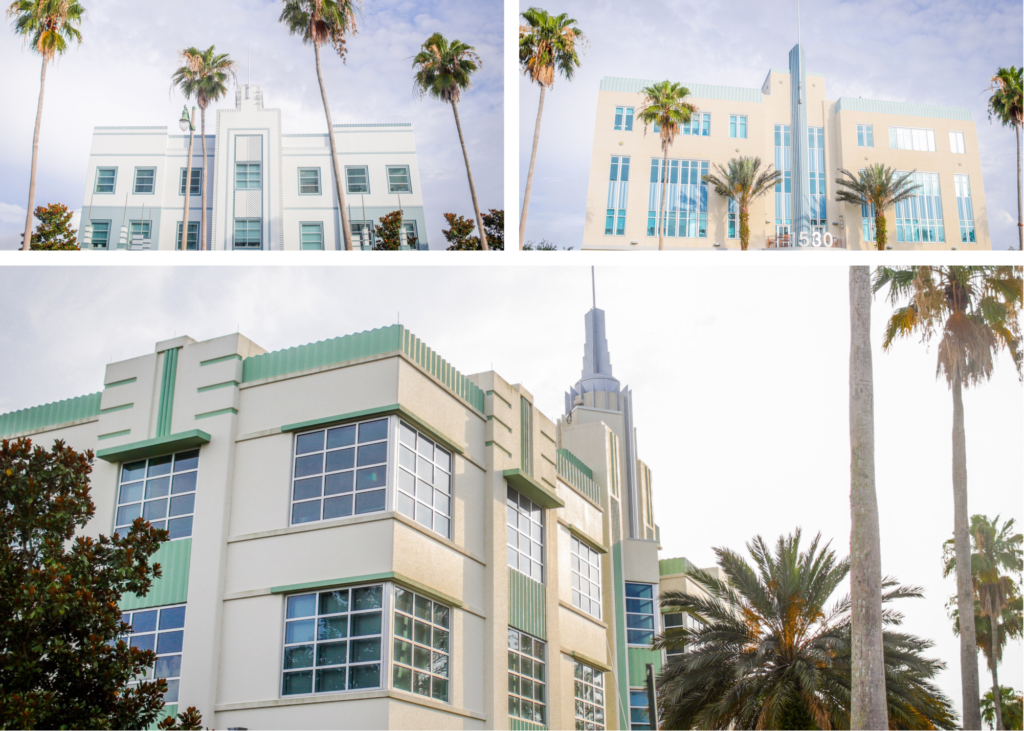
(220, 360)
(154, 447)
(112, 409)
(533, 489)
(215, 386)
(125, 382)
(114, 434)
(208, 414)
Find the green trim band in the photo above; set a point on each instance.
(208, 414)
(175, 559)
(597, 664)
(125, 382)
(166, 408)
(220, 360)
(154, 447)
(112, 409)
(402, 411)
(495, 444)
(114, 434)
(533, 489)
(397, 578)
(214, 387)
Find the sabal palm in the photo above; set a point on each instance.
(443, 71)
(877, 186)
(741, 183)
(1007, 106)
(772, 647)
(49, 26)
(976, 312)
(665, 105)
(1012, 708)
(203, 75)
(329, 22)
(547, 45)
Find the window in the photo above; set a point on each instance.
(699, 125)
(410, 233)
(734, 215)
(586, 577)
(398, 179)
(145, 181)
(196, 183)
(138, 229)
(639, 711)
(738, 126)
(161, 490)
(920, 218)
(333, 466)
(193, 236)
(525, 524)
(106, 179)
(422, 645)
(964, 208)
(100, 234)
(624, 118)
(339, 631)
(905, 138)
(867, 219)
(527, 697)
(640, 614)
(357, 179)
(589, 693)
(816, 173)
(309, 181)
(674, 620)
(311, 236)
(865, 135)
(163, 631)
(784, 188)
(357, 228)
(424, 480)
(248, 233)
(618, 195)
(956, 142)
(686, 202)
(247, 176)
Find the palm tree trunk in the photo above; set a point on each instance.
(469, 174)
(533, 162)
(188, 182)
(962, 554)
(202, 215)
(346, 232)
(996, 697)
(1020, 194)
(744, 227)
(868, 708)
(27, 243)
(881, 235)
(661, 213)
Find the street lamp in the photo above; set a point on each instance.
(185, 123)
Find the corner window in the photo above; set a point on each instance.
(106, 180)
(738, 126)
(639, 711)
(309, 181)
(640, 614)
(525, 527)
(145, 181)
(248, 233)
(865, 135)
(247, 176)
(100, 234)
(357, 179)
(422, 645)
(193, 236)
(527, 687)
(163, 631)
(586, 578)
(161, 490)
(588, 690)
(424, 480)
(311, 236)
(196, 182)
(398, 179)
(624, 118)
(956, 142)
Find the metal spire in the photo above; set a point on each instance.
(593, 285)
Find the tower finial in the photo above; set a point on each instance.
(593, 285)
(798, 22)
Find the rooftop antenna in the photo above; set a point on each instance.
(798, 22)
(593, 285)
(248, 64)
(800, 85)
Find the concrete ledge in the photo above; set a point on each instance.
(154, 447)
(533, 489)
(397, 695)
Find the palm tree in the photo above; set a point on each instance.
(976, 310)
(877, 186)
(1006, 105)
(444, 71)
(995, 549)
(867, 663)
(1012, 708)
(741, 183)
(50, 25)
(203, 75)
(769, 651)
(546, 43)
(664, 107)
(319, 22)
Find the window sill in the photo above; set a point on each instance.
(566, 605)
(397, 695)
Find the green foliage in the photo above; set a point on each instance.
(459, 232)
(665, 105)
(494, 227)
(321, 21)
(54, 232)
(1006, 103)
(62, 664)
(1012, 707)
(444, 68)
(740, 182)
(188, 720)
(549, 43)
(49, 25)
(876, 185)
(389, 233)
(203, 75)
(543, 245)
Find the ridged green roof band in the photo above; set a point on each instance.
(572, 470)
(672, 566)
(527, 602)
(166, 408)
(909, 109)
(697, 91)
(638, 659)
(58, 412)
(172, 586)
(518, 724)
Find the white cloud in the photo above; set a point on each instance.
(12, 214)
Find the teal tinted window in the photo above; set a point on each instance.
(247, 176)
(398, 179)
(196, 184)
(640, 617)
(193, 236)
(160, 492)
(105, 180)
(145, 180)
(160, 630)
(312, 235)
(309, 181)
(100, 234)
(248, 233)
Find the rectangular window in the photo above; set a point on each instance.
(357, 179)
(309, 181)
(920, 218)
(106, 179)
(422, 655)
(341, 632)
(784, 188)
(956, 142)
(247, 176)
(163, 631)
(738, 126)
(193, 236)
(525, 527)
(248, 233)
(699, 125)
(964, 208)
(867, 219)
(196, 182)
(673, 620)
(624, 119)
(588, 690)
(639, 711)
(865, 135)
(145, 181)
(161, 490)
(311, 236)
(100, 234)
(357, 228)
(618, 196)
(640, 627)
(424, 480)
(686, 201)
(905, 138)
(139, 230)
(410, 233)
(816, 174)
(527, 689)
(398, 179)
(734, 220)
(586, 578)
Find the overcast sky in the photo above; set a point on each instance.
(739, 375)
(121, 74)
(925, 51)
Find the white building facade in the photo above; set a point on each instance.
(265, 190)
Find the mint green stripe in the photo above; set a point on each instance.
(215, 386)
(527, 604)
(220, 360)
(58, 412)
(125, 382)
(208, 414)
(154, 447)
(172, 586)
(114, 434)
(112, 409)
(166, 409)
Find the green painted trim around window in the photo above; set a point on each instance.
(166, 408)
(112, 409)
(533, 489)
(111, 435)
(58, 412)
(154, 447)
(527, 604)
(495, 444)
(214, 387)
(398, 578)
(638, 658)
(220, 360)
(125, 382)
(208, 414)
(526, 435)
(174, 558)
(597, 664)
(572, 469)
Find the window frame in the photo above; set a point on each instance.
(135, 180)
(247, 246)
(156, 632)
(145, 478)
(653, 613)
(319, 225)
(625, 117)
(579, 680)
(177, 235)
(96, 183)
(545, 663)
(646, 708)
(400, 469)
(199, 185)
(520, 498)
(898, 133)
(394, 663)
(736, 126)
(366, 171)
(247, 186)
(618, 193)
(865, 135)
(962, 142)
(408, 175)
(144, 227)
(319, 180)
(593, 559)
(355, 235)
(92, 243)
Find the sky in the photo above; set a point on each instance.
(120, 75)
(925, 51)
(739, 375)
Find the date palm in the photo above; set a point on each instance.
(975, 310)
(772, 647)
(49, 26)
(665, 106)
(877, 186)
(203, 75)
(547, 45)
(443, 71)
(740, 182)
(329, 22)
(1006, 105)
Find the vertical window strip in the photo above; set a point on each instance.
(784, 188)
(586, 577)
(161, 490)
(248, 233)
(964, 207)
(640, 626)
(311, 236)
(588, 692)
(734, 220)
(193, 236)
(816, 173)
(618, 195)
(920, 218)
(526, 435)
(639, 710)
(673, 620)
(422, 645)
(248, 176)
(424, 480)
(525, 535)
(163, 631)
(686, 200)
(100, 234)
(527, 684)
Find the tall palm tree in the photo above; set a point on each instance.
(547, 43)
(867, 660)
(976, 311)
(1012, 708)
(877, 186)
(49, 25)
(203, 75)
(319, 22)
(664, 106)
(772, 648)
(1006, 105)
(741, 183)
(444, 71)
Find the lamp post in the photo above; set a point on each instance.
(185, 123)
